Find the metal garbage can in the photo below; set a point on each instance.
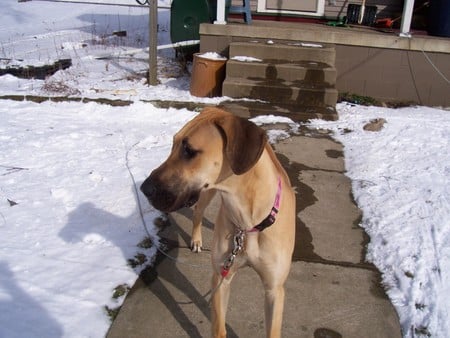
(208, 74)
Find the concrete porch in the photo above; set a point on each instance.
(369, 62)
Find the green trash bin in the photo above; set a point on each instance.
(185, 19)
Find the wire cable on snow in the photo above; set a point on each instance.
(141, 213)
(211, 291)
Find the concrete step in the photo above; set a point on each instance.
(296, 112)
(311, 71)
(288, 51)
(278, 91)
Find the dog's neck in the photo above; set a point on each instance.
(261, 181)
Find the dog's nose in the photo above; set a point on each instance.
(157, 194)
(148, 189)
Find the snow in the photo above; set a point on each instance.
(212, 56)
(276, 135)
(313, 45)
(66, 242)
(244, 58)
(400, 179)
(307, 44)
(69, 218)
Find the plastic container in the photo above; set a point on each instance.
(369, 15)
(439, 18)
(208, 74)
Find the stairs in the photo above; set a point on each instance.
(296, 79)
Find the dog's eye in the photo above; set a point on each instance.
(187, 151)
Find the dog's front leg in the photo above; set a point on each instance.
(221, 289)
(199, 209)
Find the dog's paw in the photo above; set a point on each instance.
(196, 246)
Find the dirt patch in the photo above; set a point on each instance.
(375, 125)
(36, 72)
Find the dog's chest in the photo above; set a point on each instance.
(251, 252)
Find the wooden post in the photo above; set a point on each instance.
(153, 42)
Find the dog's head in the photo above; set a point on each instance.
(207, 150)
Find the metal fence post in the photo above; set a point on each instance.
(153, 42)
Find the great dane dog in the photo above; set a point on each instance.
(218, 152)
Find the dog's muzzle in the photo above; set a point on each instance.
(168, 197)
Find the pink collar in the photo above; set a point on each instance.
(270, 219)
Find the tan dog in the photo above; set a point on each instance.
(218, 151)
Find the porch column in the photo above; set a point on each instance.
(405, 26)
(220, 13)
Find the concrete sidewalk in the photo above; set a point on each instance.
(331, 291)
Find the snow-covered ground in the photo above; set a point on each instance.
(400, 179)
(65, 244)
(69, 222)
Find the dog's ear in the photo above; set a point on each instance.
(244, 142)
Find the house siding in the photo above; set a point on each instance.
(335, 9)
(393, 75)
(253, 4)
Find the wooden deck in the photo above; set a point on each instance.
(351, 35)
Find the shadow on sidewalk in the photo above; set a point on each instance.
(166, 268)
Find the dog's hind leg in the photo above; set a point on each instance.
(274, 302)
(273, 274)
(199, 208)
